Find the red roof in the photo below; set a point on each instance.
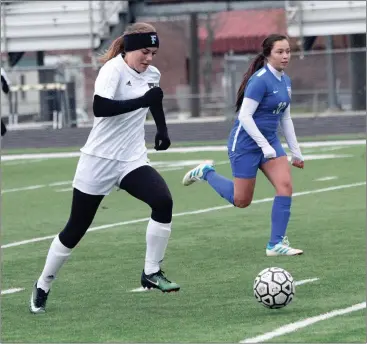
(243, 31)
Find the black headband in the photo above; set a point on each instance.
(136, 41)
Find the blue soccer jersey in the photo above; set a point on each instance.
(273, 96)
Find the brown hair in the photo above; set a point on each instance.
(257, 63)
(117, 46)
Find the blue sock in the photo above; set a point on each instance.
(279, 218)
(222, 185)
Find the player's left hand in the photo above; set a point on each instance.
(298, 162)
(162, 140)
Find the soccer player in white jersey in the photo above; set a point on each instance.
(115, 154)
(263, 102)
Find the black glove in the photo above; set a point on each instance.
(152, 97)
(162, 141)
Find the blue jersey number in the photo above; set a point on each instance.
(281, 106)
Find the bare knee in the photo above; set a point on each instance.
(284, 189)
(243, 192)
(242, 202)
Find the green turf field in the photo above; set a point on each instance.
(215, 256)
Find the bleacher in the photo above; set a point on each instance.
(49, 25)
(310, 18)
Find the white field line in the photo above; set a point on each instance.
(167, 169)
(178, 150)
(142, 289)
(174, 166)
(309, 157)
(292, 327)
(11, 291)
(328, 149)
(34, 187)
(322, 149)
(25, 188)
(64, 190)
(20, 162)
(324, 179)
(68, 182)
(309, 280)
(199, 211)
(12, 157)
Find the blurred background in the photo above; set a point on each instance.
(50, 49)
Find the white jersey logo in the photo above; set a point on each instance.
(152, 84)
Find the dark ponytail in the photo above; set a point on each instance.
(258, 63)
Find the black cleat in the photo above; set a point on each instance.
(158, 281)
(38, 300)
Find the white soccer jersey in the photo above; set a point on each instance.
(121, 137)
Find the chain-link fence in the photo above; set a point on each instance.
(321, 80)
(317, 87)
(34, 98)
(38, 94)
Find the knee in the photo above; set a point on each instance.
(285, 188)
(70, 236)
(242, 202)
(162, 209)
(164, 203)
(75, 229)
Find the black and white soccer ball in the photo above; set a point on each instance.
(274, 287)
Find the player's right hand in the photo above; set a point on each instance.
(153, 96)
(269, 152)
(297, 162)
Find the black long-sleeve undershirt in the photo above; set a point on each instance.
(104, 107)
(158, 116)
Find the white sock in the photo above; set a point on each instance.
(157, 239)
(56, 257)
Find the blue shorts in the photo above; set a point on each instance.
(245, 164)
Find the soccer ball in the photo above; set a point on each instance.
(274, 287)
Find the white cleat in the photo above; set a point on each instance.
(282, 249)
(198, 173)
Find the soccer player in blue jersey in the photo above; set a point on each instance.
(263, 103)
